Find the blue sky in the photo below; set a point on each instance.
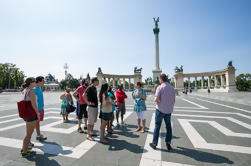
(116, 35)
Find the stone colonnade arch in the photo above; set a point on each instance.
(137, 77)
(224, 80)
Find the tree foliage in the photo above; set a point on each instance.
(69, 82)
(9, 73)
(243, 82)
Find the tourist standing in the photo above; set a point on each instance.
(29, 95)
(120, 95)
(82, 112)
(165, 99)
(139, 96)
(110, 123)
(90, 96)
(66, 100)
(40, 103)
(106, 107)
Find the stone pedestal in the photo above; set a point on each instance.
(230, 79)
(156, 74)
(179, 80)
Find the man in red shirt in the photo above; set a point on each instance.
(120, 95)
(82, 104)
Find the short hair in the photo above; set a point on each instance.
(39, 79)
(83, 81)
(163, 77)
(139, 84)
(94, 79)
(120, 86)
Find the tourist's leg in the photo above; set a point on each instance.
(167, 119)
(158, 120)
(30, 126)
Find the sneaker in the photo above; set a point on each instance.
(29, 153)
(122, 124)
(80, 130)
(168, 146)
(41, 138)
(152, 146)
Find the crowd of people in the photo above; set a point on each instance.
(104, 104)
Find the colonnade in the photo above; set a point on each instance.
(121, 79)
(223, 79)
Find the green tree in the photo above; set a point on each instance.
(11, 76)
(243, 82)
(69, 82)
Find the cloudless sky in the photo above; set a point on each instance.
(39, 36)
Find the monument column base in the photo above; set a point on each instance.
(231, 89)
(156, 74)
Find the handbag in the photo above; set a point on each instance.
(70, 108)
(25, 109)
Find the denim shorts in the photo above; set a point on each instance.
(106, 116)
(32, 119)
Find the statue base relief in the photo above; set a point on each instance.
(156, 74)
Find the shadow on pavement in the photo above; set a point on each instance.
(43, 159)
(200, 155)
(116, 145)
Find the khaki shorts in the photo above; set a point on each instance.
(92, 115)
(121, 108)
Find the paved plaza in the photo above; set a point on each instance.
(206, 132)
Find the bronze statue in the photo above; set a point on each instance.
(99, 70)
(177, 69)
(230, 63)
(136, 70)
(156, 22)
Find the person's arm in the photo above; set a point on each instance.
(62, 96)
(86, 98)
(133, 95)
(157, 95)
(32, 96)
(142, 95)
(156, 99)
(75, 94)
(125, 96)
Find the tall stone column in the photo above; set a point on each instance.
(109, 81)
(202, 82)
(222, 80)
(189, 83)
(195, 83)
(124, 82)
(156, 71)
(113, 82)
(129, 83)
(209, 82)
(215, 81)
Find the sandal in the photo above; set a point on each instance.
(89, 138)
(137, 129)
(142, 131)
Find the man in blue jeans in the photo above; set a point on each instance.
(165, 99)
